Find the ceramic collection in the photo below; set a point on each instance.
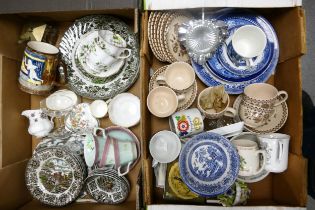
(199, 150)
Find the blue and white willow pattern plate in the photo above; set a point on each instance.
(209, 164)
(219, 69)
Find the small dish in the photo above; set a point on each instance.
(124, 110)
(59, 102)
(255, 178)
(165, 146)
(229, 130)
(99, 108)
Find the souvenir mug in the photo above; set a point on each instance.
(38, 68)
(163, 101)
(250, 157)
(187, 122)
(227, 111)
(179, 76)
(248, 42)
(277, 150)
(258, 103)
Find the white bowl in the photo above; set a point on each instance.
(229, 130)
(99, 108)
(165, 146)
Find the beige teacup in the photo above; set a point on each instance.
(227, 111)
(179, 76)
(258, 103)
(162, 101)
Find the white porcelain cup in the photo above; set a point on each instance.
(179, 76)
(163, 101)
(277, 149)
(250, 157)
(99, 59)
(249, 41)
(186, 122)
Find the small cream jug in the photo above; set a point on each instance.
(40, 125)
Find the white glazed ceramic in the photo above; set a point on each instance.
(124, 110)
(249, 41)
(40, 125)
(99, 108)
(163, 101)
(165, 146)
(179, 76)
(277, 149)
(187, 122)
(228, 111)
(58, 102)
(68, 93)
(229, 130)
(249, 154)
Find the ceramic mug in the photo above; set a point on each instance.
(113, 44)
(248, 42)
(179, 76)
(228, 111)
(250, 157)
(187, 122)
(99, 59)
(277, 149)
(163, 101)
(38, 68)
(258, 103)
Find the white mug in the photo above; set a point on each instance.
(249, 41)
(186, 122)
(249, 156)
(277, 149)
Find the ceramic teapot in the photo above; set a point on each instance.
(40, 125)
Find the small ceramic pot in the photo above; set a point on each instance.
(179, 76)
(250, 157)
(163, 101)
(228, 111)
(187, 122)
(277, 149)
(258, 103)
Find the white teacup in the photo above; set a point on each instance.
(249, 154)
(179, 76)
(249, 41)
(99, 59)
(277, 149)
(163, 101)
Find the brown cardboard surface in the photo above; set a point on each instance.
(275, 189)
(15, 140)
(13, 192)
(17, 6)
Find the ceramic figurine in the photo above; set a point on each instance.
(40, 125)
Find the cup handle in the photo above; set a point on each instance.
(126, 172)
(281, 150)
(263, 153)
(127, 55)
(283, 99)
(97, 131)
(230, 112)
(160, 80)
(181, 97)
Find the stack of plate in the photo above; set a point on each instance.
(220, 70)
(55, 176)
(105, 186)
(163, 36)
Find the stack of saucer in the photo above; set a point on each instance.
(163, 36)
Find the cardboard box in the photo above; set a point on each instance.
(15, 142)
(284, 189)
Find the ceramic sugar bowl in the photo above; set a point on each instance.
(40, 125)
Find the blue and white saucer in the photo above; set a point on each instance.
(209, 164)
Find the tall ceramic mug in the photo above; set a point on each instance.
(227, 111)
(187, 122)
(258, 103)
(277, 150)
(38, 68)
(250, 157)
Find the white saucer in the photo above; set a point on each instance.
(124, 110)
(255, 178)
(229, 130)
(165, 146)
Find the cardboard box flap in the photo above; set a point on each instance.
(16, 6)
(179, 4)
(183, 207)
